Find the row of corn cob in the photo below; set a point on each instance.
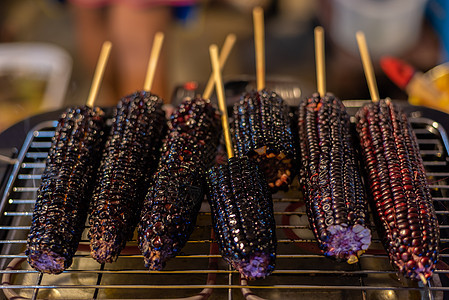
(129, 158)
(118, 191)
(334, 194)
(332, 185)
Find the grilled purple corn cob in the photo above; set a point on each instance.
(242, 215)
(334, 196)
(169, 214)
(398, 185)
(129, 159)
(173, 202)
(262, 131)
(65, 191)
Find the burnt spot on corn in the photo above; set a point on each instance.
(194, 133)
(262, 131)
(330, 179)
(399, 189)
(173, 202)
(130, 157)
(64, 195)
(242, 215)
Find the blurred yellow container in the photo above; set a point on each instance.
(439, 76)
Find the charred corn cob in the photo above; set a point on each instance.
(262, 131)
(129, 159)
(169, 213)
(242, 215)
(65, 191)
(173, 202)
(334, 196)
(398, 185)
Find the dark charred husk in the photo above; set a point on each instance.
(129, 160)
(262, 131)
(399, 189)
(173, 202)
(330, 179)
(242, 216)
(65, 191)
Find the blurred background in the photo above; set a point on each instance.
(48, 48)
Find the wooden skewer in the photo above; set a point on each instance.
(224, 54)
(423, 278)
(259, 40)
(8, 160)
(213, 50)
(99, 71)
(367, 66)
(154, 57)
(319, 58)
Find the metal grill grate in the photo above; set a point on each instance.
(199, 272)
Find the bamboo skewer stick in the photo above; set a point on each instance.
(213, 50)
(154, 57)
(8, 160)
(99, 71)
(320, 61)
(259, 40)
(423, 278)
(224, 54)
(367, 66)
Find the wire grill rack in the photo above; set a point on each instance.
(199, 272)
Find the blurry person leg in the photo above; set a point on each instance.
(90, 32)
(132, 29)
(90, 24)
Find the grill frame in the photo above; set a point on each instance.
(216, 275)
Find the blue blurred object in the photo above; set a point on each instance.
(437, 13)
(185, 13)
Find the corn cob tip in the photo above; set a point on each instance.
(258, 266)
(346, 243)
(155, 260)
(47, 261)
(417, 267)
(104, 251)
